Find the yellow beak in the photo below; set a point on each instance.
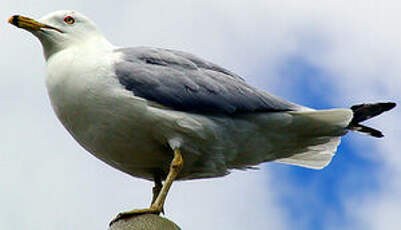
(29, 24)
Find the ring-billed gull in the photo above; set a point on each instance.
(147, 110)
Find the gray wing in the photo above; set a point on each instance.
(184, 82)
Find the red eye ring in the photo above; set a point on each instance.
(69, 20)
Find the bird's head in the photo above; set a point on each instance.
(59, 30)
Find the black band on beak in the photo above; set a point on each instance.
(14, 20)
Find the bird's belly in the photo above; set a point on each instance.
(122, 142)
(114, 127)
(125, 145)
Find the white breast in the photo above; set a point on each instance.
(104, 118)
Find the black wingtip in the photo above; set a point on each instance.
(364, 112)
(388, 105)
(385, 106)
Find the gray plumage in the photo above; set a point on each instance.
(184, 82)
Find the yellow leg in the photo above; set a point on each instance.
(158, 203)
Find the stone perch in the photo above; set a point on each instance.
(144, 222)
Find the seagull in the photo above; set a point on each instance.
(146, 110)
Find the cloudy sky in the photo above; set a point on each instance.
(319, 53)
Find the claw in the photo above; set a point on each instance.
(159, 191)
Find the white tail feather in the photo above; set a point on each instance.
(324, 127)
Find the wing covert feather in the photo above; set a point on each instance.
(185, 82)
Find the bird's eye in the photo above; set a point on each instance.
(69, 20)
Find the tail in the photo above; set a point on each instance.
(318, 133)
(363, 112)
(323, 129)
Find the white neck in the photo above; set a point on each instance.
(92, 43)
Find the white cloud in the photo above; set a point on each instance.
(47, 181)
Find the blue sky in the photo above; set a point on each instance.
(321, 54)
(318, 193)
